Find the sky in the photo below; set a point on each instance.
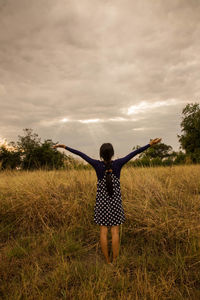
(87, 72)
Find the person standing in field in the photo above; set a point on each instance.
(108, 210)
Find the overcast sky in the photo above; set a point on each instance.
(85, 72)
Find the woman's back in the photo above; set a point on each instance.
(108, 209)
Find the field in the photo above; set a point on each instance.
(49, 243)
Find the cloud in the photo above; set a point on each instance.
(95, 70)
(144, 106)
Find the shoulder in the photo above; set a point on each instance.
(100, 163)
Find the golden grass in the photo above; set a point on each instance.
(50, 247)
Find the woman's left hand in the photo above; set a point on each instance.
(155, 141)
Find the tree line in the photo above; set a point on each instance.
(30, 153)
(163, 155)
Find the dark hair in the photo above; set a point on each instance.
(106, 152)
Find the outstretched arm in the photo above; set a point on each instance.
(122, 161)
(90, 160)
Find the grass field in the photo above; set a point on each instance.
(49, 243)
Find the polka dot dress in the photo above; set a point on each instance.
(108, 210)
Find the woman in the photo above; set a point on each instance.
(108, 211)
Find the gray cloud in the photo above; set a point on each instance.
(83, 60)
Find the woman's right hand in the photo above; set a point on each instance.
(154, 141)
(59, 146)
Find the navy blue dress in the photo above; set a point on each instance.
(108, 210)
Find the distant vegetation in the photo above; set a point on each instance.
(163, 155)
(50, 245)
(29, 153)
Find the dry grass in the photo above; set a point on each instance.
(50, 247)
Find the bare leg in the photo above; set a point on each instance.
(115, 241)
(104, 242)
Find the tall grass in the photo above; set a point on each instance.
(50, 246)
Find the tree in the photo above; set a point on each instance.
(190, 138)
(179, 158)
(46, 157)
(29, 141)
(27, 145)
(30, 153)
(9, 159)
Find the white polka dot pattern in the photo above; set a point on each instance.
(108, 210)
